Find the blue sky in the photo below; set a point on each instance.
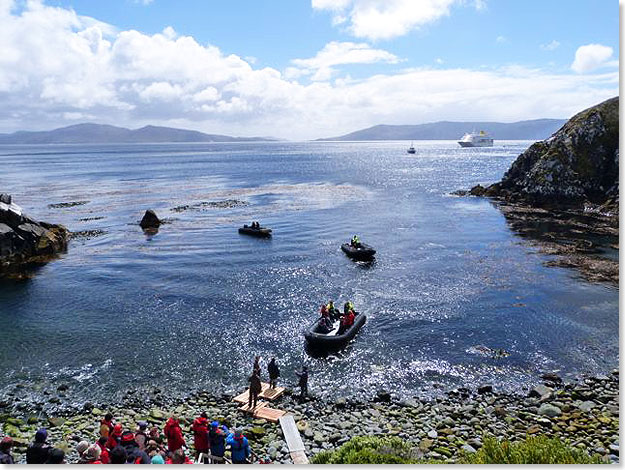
(302, 69)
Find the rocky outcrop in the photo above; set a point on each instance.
(577, 165)
(25, 242)
(150, 220)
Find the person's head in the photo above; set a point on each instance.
(238, 434)
(215, 424)
(93, 453)
(108, 417)
(128, 438)
(178, 457)
(5, 444)
(56, 456)
(118, 455)
(102, 441)
(158, 459)
(203, 415)
(81, 447)
(41, 435)
(154, 432)
(142, 426)
(117, 430)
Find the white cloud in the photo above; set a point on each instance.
(501, 39)
(57, 68)
(339, 53)
(551, 46)
(386, 19)
(591, 57)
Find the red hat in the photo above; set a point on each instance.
(118, 429)
(128, 436)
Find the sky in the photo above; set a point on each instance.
(302, 69)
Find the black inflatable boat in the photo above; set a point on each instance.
(261, 232)
(362, 252)
(332, 341)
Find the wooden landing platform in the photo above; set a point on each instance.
(293, 439)
(264, 412)
(266, 393)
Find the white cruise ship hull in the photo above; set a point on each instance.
(476, 144)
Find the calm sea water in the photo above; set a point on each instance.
(190, 306)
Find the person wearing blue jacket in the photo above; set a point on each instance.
(239, 447)
(217, 441)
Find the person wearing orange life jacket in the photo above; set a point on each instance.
(107, 425)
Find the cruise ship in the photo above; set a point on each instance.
(476, 139)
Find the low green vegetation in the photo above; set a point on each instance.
(534, 450)
(369, 450)
(385, 450)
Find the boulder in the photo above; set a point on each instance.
(540, 391)
(150, 220)
(549, 410)
(486, 388)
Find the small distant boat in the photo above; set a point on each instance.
(326, 342)
(361, 252)
(476, 139)
(411, 148)
(261, 232)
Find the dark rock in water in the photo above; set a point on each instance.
(150, 220)
(25, 242)
(551, 377)
(486, 388)
(383, 396)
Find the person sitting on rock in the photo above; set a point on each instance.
(200, 435)
(217, 439)
(5, 451)
(274, 372)
(107, 425)
(239, 447)
(173, 433)
(38, 451)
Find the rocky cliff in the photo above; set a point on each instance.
(25, 242)
(576, 165)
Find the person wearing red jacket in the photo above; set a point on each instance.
(347, 321)
(115, 437)
(104, 454)
(173, 432)
(200, 435)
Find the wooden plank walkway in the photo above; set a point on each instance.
(293, 439)
(266, 393)
(263, 411)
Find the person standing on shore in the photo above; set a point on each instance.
(141, 436)
(217, 441)
(115, 437)
(255, 388)
(38, 451)
(303, 382)
(239, 446)
(274, 372)
(107, 425)
(104, 454)
(200, 435)
(173, 432)
(256, 368)
(5, 451)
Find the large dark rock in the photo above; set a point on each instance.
(24, 241)
(578, 164)
(150, 220)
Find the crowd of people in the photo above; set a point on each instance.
(330, 314)
(142, 446)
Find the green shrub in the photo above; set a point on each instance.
(369, 450)
(534, 450)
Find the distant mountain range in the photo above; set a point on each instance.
(537, 129)
(100, 133)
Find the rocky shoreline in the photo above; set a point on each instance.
(584, 412)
